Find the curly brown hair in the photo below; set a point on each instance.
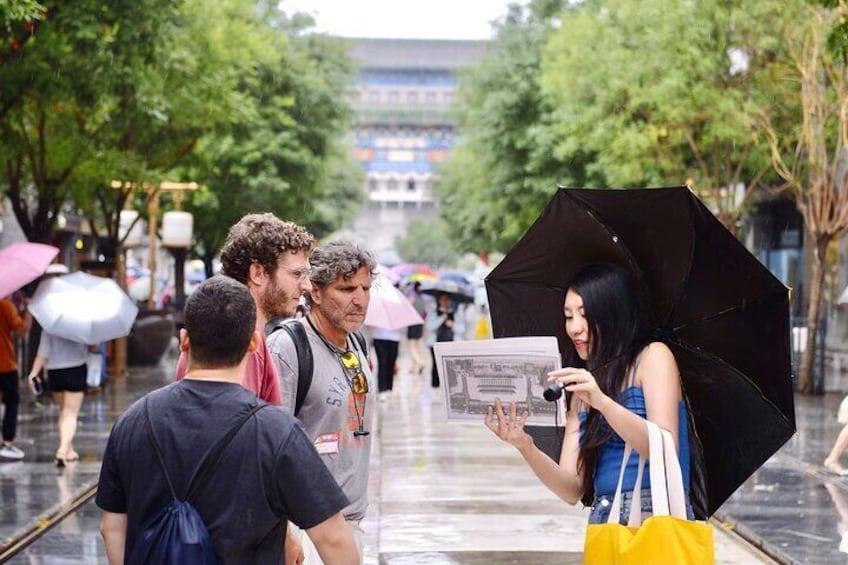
(260, 238)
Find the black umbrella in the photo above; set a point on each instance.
(722, 313)
(459, 292)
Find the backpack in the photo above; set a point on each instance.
(305, 363)
(176, 533)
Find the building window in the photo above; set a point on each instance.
(410, 185)
(373, 185)
(392, 185)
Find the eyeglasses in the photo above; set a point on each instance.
(300, 274)
(358, 380)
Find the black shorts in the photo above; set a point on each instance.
(71, 379)
(415, 332)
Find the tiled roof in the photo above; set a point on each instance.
(416, 53)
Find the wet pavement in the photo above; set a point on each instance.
(440, 493)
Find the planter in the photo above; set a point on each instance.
(150, 337)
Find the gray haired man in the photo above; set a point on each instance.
(337, 410)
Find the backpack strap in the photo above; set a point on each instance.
(363, 344)
(210, 462)
(305, 363)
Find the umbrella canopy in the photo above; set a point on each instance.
(459, 292)
(413, 272)
(389, 308)
(84, 308)
(722, 313)
(21, 263)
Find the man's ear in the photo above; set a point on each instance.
(255, 341)
(315, 294)
(185, 343)
(257, 275)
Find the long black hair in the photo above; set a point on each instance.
(618, 332)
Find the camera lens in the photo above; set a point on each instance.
(553, 392)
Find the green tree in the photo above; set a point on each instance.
(287, 154)
(428, 243)
(504, 169)
(662, 93)
(104, 91)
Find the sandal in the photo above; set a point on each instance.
(835, 468)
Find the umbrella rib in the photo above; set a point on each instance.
(731, 309)
(717, 359)
(631, 259)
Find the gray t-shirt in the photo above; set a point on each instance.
(330, 412)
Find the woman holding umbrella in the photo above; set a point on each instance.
(65, 361)
(620, 378)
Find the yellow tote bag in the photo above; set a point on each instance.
(667, 537)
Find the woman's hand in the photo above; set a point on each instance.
(511, 431)
(582, 384)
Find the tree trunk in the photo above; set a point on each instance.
(207, 263)
(806, 382)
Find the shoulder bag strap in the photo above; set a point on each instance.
(156, 447)
(210, 463)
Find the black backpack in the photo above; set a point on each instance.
(305, 364)
(176, 533)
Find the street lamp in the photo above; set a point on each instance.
(176, 237)
(178, 190)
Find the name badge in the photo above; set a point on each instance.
(327, 444)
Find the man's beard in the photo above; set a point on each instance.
(336, 317)
(274, 303)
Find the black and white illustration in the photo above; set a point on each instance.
(475, 373)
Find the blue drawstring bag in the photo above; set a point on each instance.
(176, 533)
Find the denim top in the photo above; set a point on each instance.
(609, 457)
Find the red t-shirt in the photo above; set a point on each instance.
(260, 374)
(10, 321)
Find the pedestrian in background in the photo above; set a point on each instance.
(11, 324)
(386, 344)
(831, 462)
(268, 474)
(65, 361)
(415, 333)
(338, 407)
(441, 329)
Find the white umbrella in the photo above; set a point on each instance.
(389, 309)
(84, 308)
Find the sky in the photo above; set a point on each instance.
(403, 19)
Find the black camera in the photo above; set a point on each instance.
(553, 392)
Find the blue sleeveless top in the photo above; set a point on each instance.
(609, 457)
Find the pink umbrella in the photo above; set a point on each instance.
(389, 309)
(22, 263)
